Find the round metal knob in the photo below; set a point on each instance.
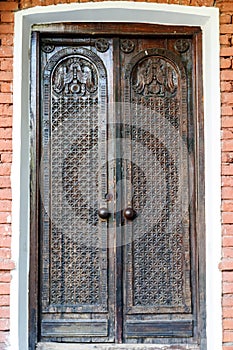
(129, 213)
(103, 213)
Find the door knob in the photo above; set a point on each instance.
(103, 213)
(129, 213)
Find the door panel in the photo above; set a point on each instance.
(74, 256)
(118, 130)
(157, 266)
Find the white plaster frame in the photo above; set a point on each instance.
(114, 11)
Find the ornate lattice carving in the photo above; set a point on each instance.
(74, 265)
(75, 76)
(154, 76)
(74, 239)
(160, 234)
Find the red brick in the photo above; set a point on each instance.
(228, 323)
(226, 181)
(6, 264)
(225, 19)
(6, 64)
(6, 28)
(227, 253)
(226, 51)
(5, 133)
(8, 40)
(227, 312)
(7, 87)
(227, 276)
(4, 300)
(227, 121)
(227, 192)
(226, 29)
(5, 217)
(227, 217)
(227, 145)
(6, 51)
(9, 17)
(5, 121)
(5, 145)
(5, 182)
(5, 231)
(6, 76)
(227, 157)
(227, 169)
(227, 205)
(5, 241)
(227, 288)
(5, 205)
(226, 134)
(227, 336)
(226, 7)
(8, 5)
(225, 63)
(227, 242)
(226, 265)
(5, 312)
(4, 324)
(227, 301)
(6, 110)
(225, 85)
(227, 74)
(201, 2)
(5, 97)
(226, 97)
(4, 288)
(5, 169)
(5, 276)
(5, 253)
(5, 193)
(225, 39)
(227, 230)
(3, 338)
(6, 157)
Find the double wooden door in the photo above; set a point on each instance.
(116, 241)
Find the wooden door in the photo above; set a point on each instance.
(118, 237)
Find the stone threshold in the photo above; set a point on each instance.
(65, 346)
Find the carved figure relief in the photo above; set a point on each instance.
(75, 76)
(155, 76)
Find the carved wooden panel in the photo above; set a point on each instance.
(159, 272)
(117, 128)
(74, 183)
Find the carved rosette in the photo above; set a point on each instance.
(47, 48)
(155, 76)
(74, 76)
(102, 45)
(181, 45)
(127, 46)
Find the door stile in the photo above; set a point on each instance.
(118, 189)
(34, 190)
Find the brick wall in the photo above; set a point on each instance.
(7, 9)
(6, 58)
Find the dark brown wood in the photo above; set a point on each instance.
(130, 29)
(180, 328)
(118, 280)
(34, 194)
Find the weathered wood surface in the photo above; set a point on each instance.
(54, 346)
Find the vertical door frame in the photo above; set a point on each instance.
(117, 11)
